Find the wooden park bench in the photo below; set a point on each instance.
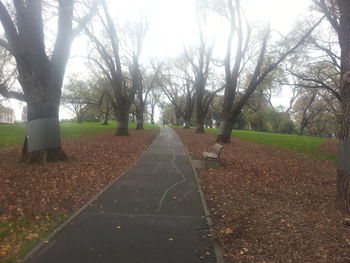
(213, 155)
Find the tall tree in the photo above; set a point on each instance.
(338, 15)
(109, 64)
(240, 33)
(39, 73)
(177, 83)
(136, 33)
(200, 60)
(154, 100)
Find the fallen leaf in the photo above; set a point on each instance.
(31, 236)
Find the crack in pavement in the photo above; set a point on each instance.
(174, 185)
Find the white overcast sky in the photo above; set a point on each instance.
(172, 25)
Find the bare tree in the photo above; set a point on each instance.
(136, 33)
(234, 66)
(109, 64)
(39, 73)
(200, 63)
(178, 85)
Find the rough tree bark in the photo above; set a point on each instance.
(40, 76)
(123, 120)
(338, 15)
(343, 170)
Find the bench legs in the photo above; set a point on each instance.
(210, 159)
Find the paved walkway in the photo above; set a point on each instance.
(152, 214)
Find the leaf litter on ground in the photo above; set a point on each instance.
(270, 204)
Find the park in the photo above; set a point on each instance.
(128, 134)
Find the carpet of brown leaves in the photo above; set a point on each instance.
(270, 204)
(29, 191)
(35, 198)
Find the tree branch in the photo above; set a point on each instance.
(11, 94)
(10, 29)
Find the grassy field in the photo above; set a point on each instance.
(301, 144)
(12, 134)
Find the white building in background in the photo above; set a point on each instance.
(7, 115)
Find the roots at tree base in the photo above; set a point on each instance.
(200, 130)
(139, 126)
(44, 156)
(343, 192)
(122, 132)
(223, 138)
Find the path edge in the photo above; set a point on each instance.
(43, 242)
(217, 249)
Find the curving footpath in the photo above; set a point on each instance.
(152, 214)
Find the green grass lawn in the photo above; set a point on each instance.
(301, 144)
(12, 134)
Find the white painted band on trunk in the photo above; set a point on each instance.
(122, 125)
(224, 127)
(43, 134)
(343, 162)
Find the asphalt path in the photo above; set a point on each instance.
(152, 214)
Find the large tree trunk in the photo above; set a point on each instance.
(80, 119)
(187, 124)
(42, 143)
(225, 131)
(123, 121)
(226, 126)
(343, 169)
(139, 118)
(139, 124)
(200, 127)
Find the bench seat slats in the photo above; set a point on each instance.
(210, 155)
(215, 154)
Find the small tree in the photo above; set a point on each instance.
(77, 97)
